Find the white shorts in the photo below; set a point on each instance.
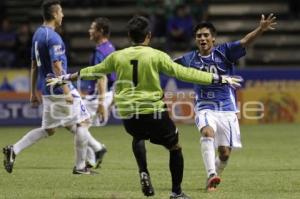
(224, 124)
(92, 102)
(56, 112)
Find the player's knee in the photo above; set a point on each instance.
(224, 157)
(224, 153)
(85, 123)
(175, 147)
(50, 132)
(207, 131)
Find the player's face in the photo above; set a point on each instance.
(94, 33)
(58, 16)
(204, 40)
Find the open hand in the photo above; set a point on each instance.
(233, 81)
(267, 23)
(34, 100)
(58, 81)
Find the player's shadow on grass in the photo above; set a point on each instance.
(45, 168)
(200, 189)
(93, 198)
(105, 197)
(275, 170)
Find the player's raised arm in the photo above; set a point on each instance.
(266, 23)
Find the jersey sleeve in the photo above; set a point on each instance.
(233, 50)
(56, 48)
(99, 57)
(97, 71)
(181, 60)
(171, 68)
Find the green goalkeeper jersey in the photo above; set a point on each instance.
(137, 88)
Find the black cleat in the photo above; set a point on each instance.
(179, 196)
(9, 158)
(85, 171)
(147, 188)
(99, 156)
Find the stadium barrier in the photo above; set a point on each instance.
(267, 96)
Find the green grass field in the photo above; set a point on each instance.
(268, 166)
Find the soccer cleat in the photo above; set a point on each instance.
(179, 196)
(89, 165)
(146, 184)
(84, 171)
(9, 158)
(212, 182)
(99, 156)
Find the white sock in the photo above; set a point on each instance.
(90, 156)
(220, 165)
(30, 138)
(208, 154)
(81, 142)
(92, 142)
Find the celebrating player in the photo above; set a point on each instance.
(216, 106)
(138, 97)
(99, 96)
(61, 106)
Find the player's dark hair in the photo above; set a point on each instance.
(48, 9)
(103, 24)
(207, 25)
(138, 28)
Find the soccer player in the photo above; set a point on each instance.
(61, 106)
(139, 98)
(216, 106)
(99, 92)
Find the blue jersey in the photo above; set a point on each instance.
(47, 48)
(99, 54)
(220, 61)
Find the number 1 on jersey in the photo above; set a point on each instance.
(134, 63)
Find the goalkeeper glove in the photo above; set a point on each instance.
(233, 81)
(58, 81)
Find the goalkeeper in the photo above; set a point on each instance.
(138, 97)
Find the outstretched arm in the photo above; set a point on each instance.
(87, 73)
(192, 75)
(264, 25)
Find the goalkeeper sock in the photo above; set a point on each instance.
(139, 151)
(176, 164)
(29, 139)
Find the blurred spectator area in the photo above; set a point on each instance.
(232, 18)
